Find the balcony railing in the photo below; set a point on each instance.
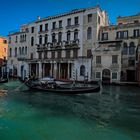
(22, 57)
(58, 45)
(72, 26)
(57, 29)
(43, 31)
(19, 31)
(114, 65)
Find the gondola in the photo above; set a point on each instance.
(62, 89)
(4, 80)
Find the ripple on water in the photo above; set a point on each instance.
(110, 115)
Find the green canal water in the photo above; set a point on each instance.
(111, 114)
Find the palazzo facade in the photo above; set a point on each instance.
(60, 46)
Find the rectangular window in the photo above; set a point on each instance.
(131, 63)
(41, 28)
(54, 25)
(136, 33)
(31, 55)
(104, 36)
(89, 53)
(53, 38)
(5, 41)
(99, 19)
(53, 54)
(9, 39)
(67, 53)
(75, 53)
(15, 52)
(59, 37)
(46, 27)
(114, 59)
(59, 54)
(125, 34)
(60, 24)
(32, 30)
(16, 39)
(76, 20)
(46, 39)
(45, 55)
(39, 55)
(69, 22)
(68, 37)
(122, 34)
(89, 18)
(98, 75)
(98, 59)
(118, 35)
(136, 21)
(114, 75)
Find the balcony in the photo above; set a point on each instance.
(57, 29)
(43, 32)
(72, 26)
(18, 32)
(58, 45)
(98, 65)
(22, 57)
(114, 65)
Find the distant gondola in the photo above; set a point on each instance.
(4, 80)
(62, 89)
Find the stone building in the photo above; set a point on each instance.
(3, 55)
(59, 46)
(116, 57)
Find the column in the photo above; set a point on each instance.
(43, 69)
(39, 69)
(68, 70)
(55, 70)
(59, 71)
(51, 68)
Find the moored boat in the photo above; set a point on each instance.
(53, 87)
(4, 80)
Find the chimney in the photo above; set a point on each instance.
(38, 17)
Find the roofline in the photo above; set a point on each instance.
(68, 13)
(61, 15)
(3, 37)
(128, 16)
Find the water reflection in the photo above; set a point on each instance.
(112, 106)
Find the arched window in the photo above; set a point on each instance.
(25, 38)
(53, 38)
(89, 33)
(15, 52)
(26, 50)
(68, 36)
(75, 34)
(19, 50)
(131, 48)
(32, 41)
(22, 38)
(46, 39)
(10, 52)
(59, 37)
(82, 70)
(40, 39)
(22, 50)
(125, 49)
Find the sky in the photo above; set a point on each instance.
(14, 13)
